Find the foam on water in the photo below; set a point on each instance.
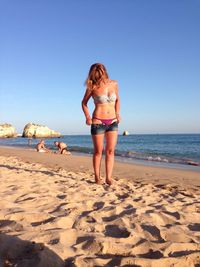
(182, 149)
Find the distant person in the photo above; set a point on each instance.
(30, 141)
(105, 118)
(41, 147)
(62, 148)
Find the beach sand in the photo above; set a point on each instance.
(53, 214)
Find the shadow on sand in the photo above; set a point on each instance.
(23, 253)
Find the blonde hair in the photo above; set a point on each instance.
(97, 73)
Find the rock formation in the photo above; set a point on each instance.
(39, 131)
(125, 133)
(7, 130)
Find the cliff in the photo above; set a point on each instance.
(7, 131)
(39, 131)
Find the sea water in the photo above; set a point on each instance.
(165, 149)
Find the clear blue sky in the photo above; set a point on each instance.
(151, 47)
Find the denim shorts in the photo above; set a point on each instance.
(102, 128)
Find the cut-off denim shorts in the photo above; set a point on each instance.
(102, 128)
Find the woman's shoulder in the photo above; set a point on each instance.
(114, 85)
(112, 82)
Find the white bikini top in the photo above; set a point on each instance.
(102, 99)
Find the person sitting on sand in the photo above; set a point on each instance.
(41, 147)
(62, 148)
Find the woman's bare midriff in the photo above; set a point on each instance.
(103, 111)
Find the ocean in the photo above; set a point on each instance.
(170, 150)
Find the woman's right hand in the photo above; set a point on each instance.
(88, 121)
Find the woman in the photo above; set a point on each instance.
(105, 118)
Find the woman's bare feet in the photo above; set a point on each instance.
(109, 181)
(99, 181)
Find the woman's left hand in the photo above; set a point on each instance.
(118, 118)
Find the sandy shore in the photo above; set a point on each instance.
(53, 214)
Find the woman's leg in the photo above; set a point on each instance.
(111, 141)
(97, 155)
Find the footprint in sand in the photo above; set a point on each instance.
(98, 205)
(25, 197)
(110, 218)
(125, 212)
(176, 234)
(151, 254)
(60, 211)
(173, 214)
(54, 241)
(10, 226)
(153, 231)
(182, 249)
(43, 222)
(116, 231)
(194, 227)
(61, 196)
(123, 196)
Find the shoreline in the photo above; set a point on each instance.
(77, 162)
(127, 160)
(151, 150)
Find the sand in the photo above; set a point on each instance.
(53, 214)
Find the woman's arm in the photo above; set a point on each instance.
(117, 103)
(86, 97)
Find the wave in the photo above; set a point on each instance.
(156, 158)
(130, 155)
(86, 150)
(140, 156)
